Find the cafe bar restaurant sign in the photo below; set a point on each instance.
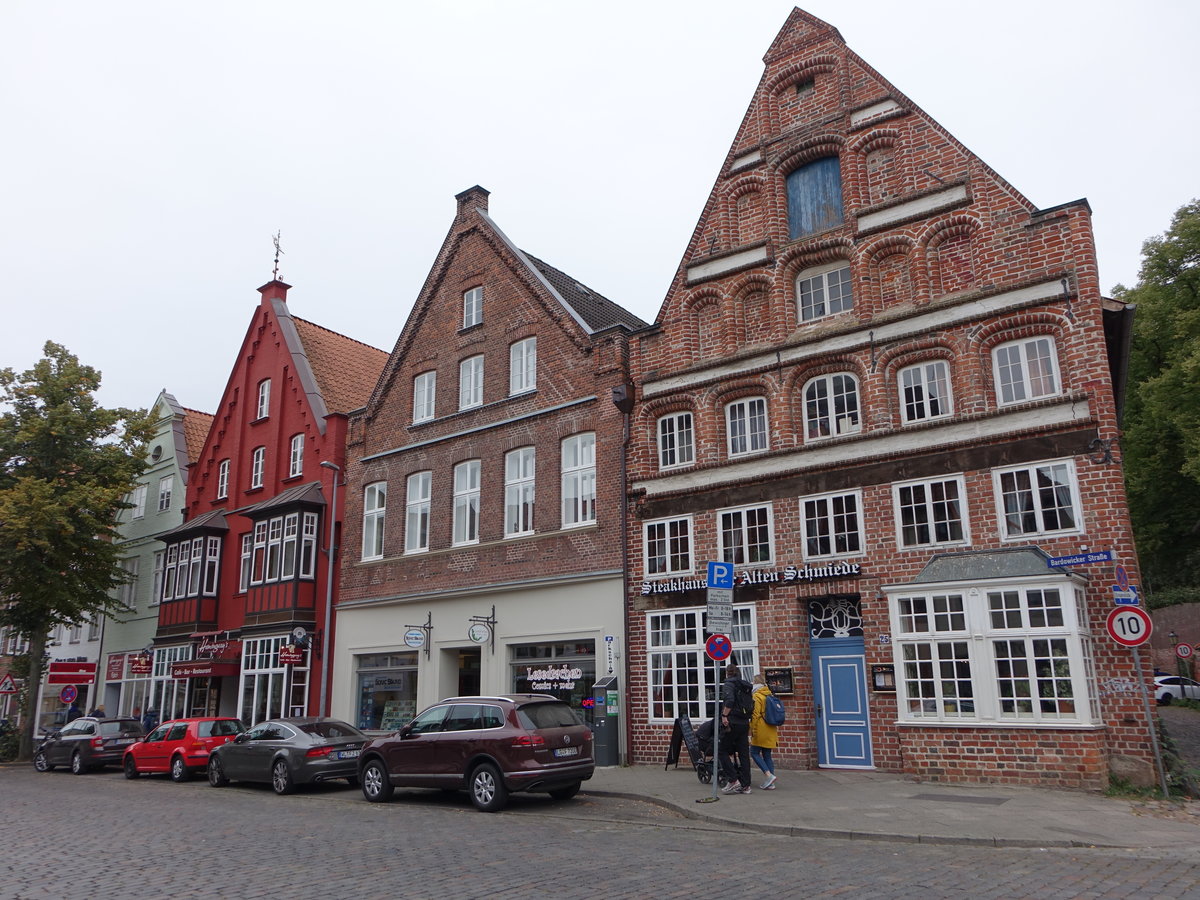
(786, 575)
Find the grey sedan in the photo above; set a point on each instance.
(288, 752)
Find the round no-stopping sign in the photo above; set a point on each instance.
(1129, 626)
(718, 647)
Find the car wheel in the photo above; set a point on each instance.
(130, 767)
(216, 775)
(179, 770)
(41, 763)
(281, 778)
(488, 792)
(1165, 700)
(375, 785)
(77, 765)
(566, 793)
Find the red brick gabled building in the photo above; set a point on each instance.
(484, 532)
(246, 581)
(882, 387)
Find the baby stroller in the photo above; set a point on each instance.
(699, 744)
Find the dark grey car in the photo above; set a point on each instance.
(87, 743)
(288, 752)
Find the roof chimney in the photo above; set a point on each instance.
(471, 199)
(275, 290)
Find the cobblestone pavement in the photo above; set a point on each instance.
(100, 836)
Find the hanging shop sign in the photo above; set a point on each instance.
(217, 645)
(141, 664)
(786, 575)
(116, 667)
(415, 638)
(291, 655)
(479, 633)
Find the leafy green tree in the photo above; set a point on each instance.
(66, 464)
(1162, 423)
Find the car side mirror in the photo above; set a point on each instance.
(406, 731)
(241, 738)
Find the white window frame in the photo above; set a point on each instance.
(308, 546)
(138, 498)
(746, 535)
(579, 480)
(472, 307)
(416, 512)
(824, 291)
(258, 464)
(522, 366)
(995, 654)
(519, 491)
(374, 517)
(925, 391)
(166, 485)
(466, 503)
(668, 547)
(128, 591)
(676, 440)
(263, 408)
(747, 427)
(682, 678)
(424, 396)
(931, 505)
(223, 479)
(1036, 497)
(470, 382)
(156, 586)
(832, 510)
(1026, 370)
(247, 562)
(830, 409)
(296, 456)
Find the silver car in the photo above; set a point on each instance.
(288, 752)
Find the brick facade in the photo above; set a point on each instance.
(953, 275)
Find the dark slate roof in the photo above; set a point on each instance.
(301, 493)
(598, 311)
(213, 520)
(974, 565)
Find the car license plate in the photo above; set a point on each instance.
(567, 751)
(347, 754)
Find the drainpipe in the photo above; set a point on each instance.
(323, 710)
(622, 397)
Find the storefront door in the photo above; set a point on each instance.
(469, 661)
(840, 688)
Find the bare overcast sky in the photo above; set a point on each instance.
(150, 149)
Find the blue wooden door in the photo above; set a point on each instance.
(840, 689)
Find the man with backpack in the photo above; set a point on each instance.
(737, 706)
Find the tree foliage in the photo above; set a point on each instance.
(66, 465)
(1162, 425)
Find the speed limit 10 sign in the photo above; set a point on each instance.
(1129, 626)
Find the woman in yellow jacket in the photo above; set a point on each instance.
(763, 737)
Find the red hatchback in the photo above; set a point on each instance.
(181, 746)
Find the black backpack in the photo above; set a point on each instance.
(743, 698)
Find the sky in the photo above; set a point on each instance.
(149, 151)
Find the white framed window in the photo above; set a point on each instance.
(667, 547)
(522, 366)
(518, 492)
(168, 583)
(746, 425)
(930, 513)
(832, 525)
(745, 535)
(296, 456)
(156, 588)
(258, 562)
(247, 559)
(93, 624)
(676, 440)
(424, 396)
(223, 479)
(308, 546)
(831, 407)
(416, 514)
(166, 485)
(470, 382)
(138, 498)
(579, 479)
(466, 502)
(128, 591)
(76, 633)
(682, 678)
(263, 409)
(195, 569)
(291, 545)
(925, 391)
(374, 512)
(212, 565)
(472, 307)
(994, 654)
(1038, 499)
(824, 290)
(258, 465)
(1025, 370)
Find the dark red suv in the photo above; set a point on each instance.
(489, 746)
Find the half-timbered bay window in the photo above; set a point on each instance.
(1003, 653)
(683, 680)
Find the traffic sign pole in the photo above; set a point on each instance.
(1131, 626)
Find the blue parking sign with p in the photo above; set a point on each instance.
(720, 575)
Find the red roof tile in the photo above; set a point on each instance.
(346, 370)
(195, 431)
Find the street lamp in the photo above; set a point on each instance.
(337, 471)
(1174, 638)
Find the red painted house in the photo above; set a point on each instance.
(246, 585)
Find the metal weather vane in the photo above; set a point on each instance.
(278, 251)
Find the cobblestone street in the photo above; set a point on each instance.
(153, 838)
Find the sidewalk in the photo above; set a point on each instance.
(879, 806)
